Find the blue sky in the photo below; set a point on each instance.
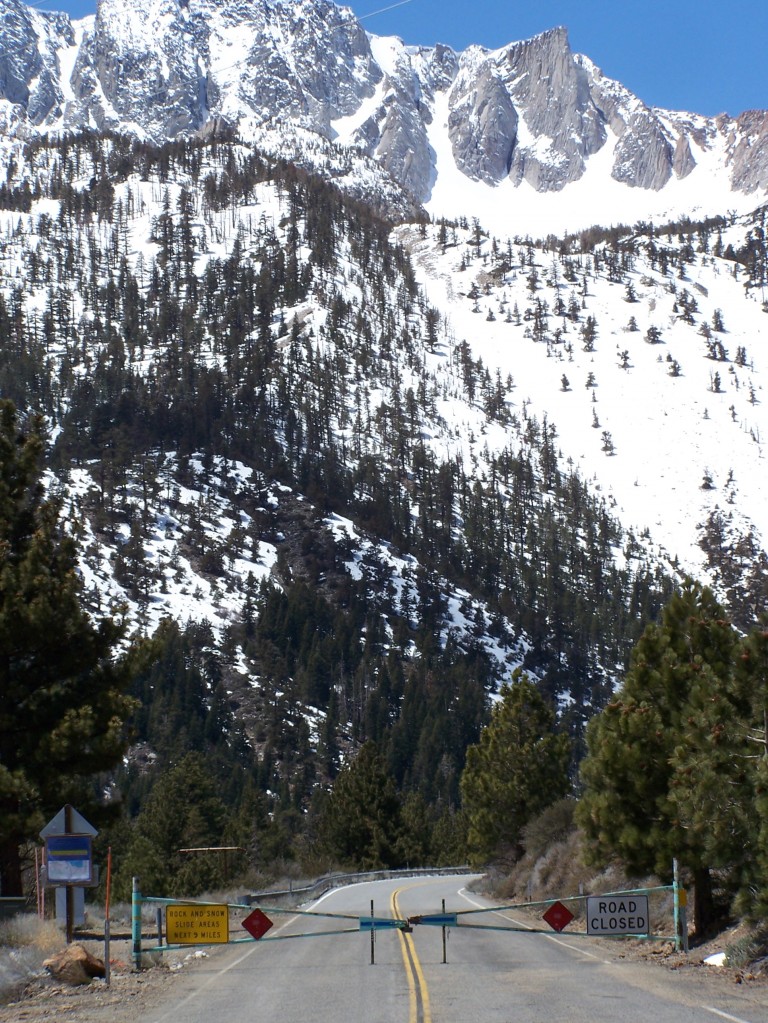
(706, 56)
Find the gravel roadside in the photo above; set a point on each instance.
(130, 994)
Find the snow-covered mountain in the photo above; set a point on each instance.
(530, 137)
(642, 352)
(367, 451)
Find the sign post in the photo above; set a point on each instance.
(136, 924)
(69, 856)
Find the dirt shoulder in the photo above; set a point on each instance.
(662, 954)
(130, 994)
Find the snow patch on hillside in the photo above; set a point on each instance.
(680, 449)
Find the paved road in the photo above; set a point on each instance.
(489, 977)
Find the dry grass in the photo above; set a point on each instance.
(25, 941)
(749, 949)
(28, 931)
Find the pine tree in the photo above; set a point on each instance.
(751, 682)
(721, 772)
(184, 810)
(64, 699)
(362, 820)
(519, 766)
(629, 809)
(710, 784)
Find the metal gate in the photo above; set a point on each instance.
(619, 914)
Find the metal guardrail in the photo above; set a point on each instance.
(339, 880)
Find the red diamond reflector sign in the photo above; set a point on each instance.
(257, 924)
(558, 916)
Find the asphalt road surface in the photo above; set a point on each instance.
(488, 976)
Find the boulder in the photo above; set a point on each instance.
(74, 965)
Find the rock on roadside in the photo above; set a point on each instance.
(74, 965)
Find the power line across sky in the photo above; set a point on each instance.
(704, 56)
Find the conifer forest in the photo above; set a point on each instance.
(316, 548)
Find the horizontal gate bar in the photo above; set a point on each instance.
(562, 934)
(251, 941)
(382, 923)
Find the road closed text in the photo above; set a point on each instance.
(617, 914)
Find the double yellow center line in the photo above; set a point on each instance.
(419, 1008)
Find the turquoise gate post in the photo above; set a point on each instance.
(676, 902)
(136, 924)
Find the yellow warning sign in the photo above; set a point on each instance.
(197, 925)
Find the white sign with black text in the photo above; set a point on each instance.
(617, 914)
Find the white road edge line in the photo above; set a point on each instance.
(724, 1015)
(173, 1013)
(550, 937)
(707, 1008)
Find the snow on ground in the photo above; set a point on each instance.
(668, 433)
(177, 588)
(367, 560)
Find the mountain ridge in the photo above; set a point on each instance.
(526, 120)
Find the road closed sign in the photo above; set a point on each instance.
(613, 915)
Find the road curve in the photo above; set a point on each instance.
(488, 976)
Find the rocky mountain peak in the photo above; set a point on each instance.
(531, 112)
(30, 43)
(551, 91)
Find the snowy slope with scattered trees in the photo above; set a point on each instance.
(347, 466)
(654, 391)
(264, 315)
